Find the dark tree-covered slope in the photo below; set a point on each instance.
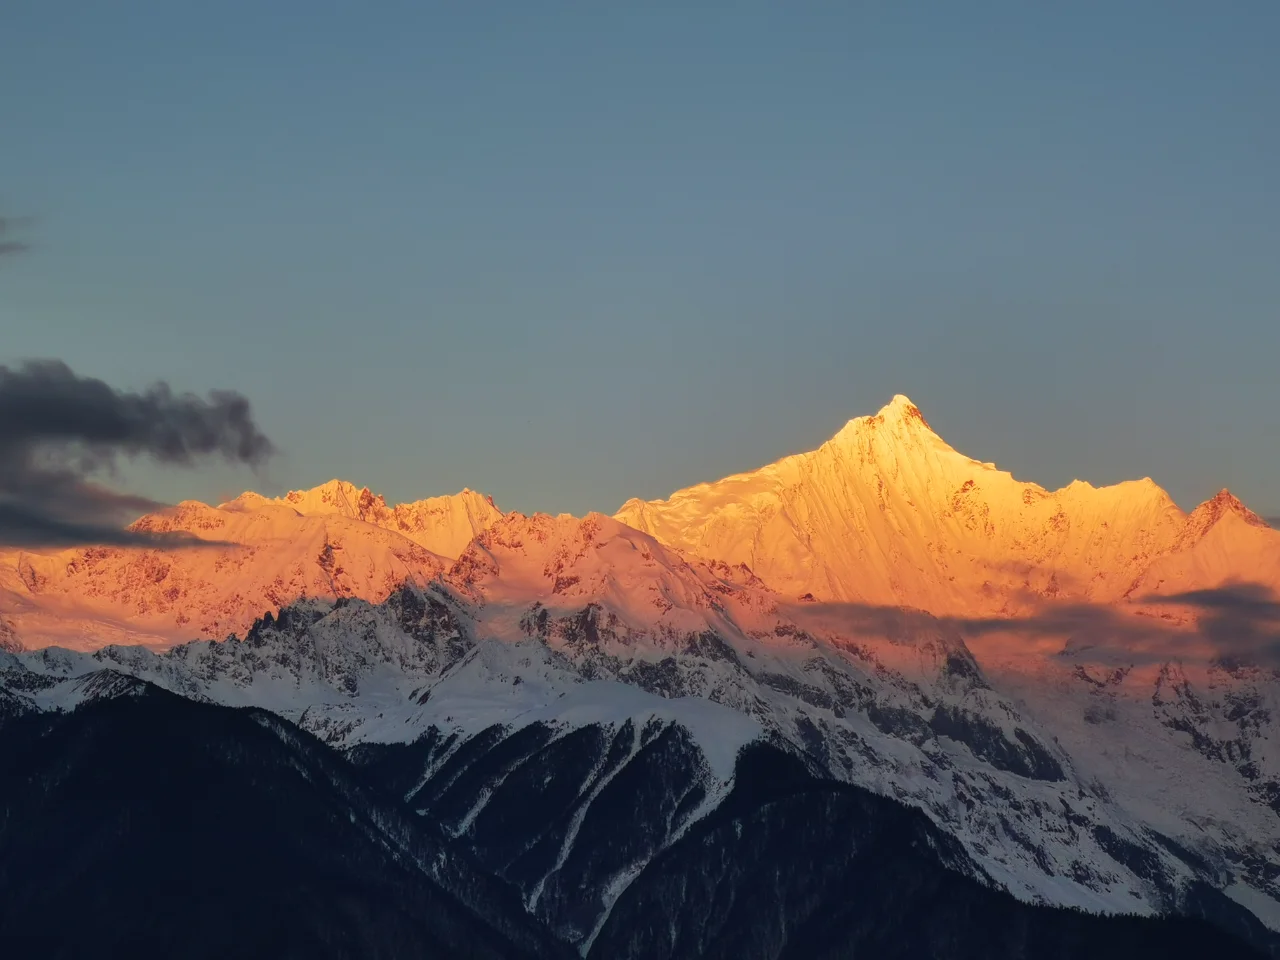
(791, 867)
(152, 826)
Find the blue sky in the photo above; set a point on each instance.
(568, 255)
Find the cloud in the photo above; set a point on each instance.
(59, 429)
(20, 527)
(1245, 599)
(7, 224)
(1242, 619)
(1234, 624)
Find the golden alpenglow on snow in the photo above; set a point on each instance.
(882, 699)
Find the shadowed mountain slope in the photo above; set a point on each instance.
(145, 825)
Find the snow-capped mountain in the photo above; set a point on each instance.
(1067, 796)
(332, 541)
(171, 828)
(443, 525)
(1074, 686)
(886, 512)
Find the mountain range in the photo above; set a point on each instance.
(705, 726)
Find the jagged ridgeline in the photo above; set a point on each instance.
(875, 700)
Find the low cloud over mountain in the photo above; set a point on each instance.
(59, 431)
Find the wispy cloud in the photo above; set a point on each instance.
(7, 226)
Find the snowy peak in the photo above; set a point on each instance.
(262, 559)
(444, 525)
(542, 575)
(895, 441)
(1224, 504)
(540, 556)
(886, 512)
(333, 541)
(902, 406)
(1222, 545)
(898, 428)
(335, 497)
(899, 415)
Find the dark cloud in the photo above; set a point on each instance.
(1239, 624)
(20, 527)
(58, 430)
(1242, 620)
(1244, 599)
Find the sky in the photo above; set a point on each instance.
(567, 254)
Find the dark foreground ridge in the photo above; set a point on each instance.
(152, 826)
(793, 867)
(146, 825)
